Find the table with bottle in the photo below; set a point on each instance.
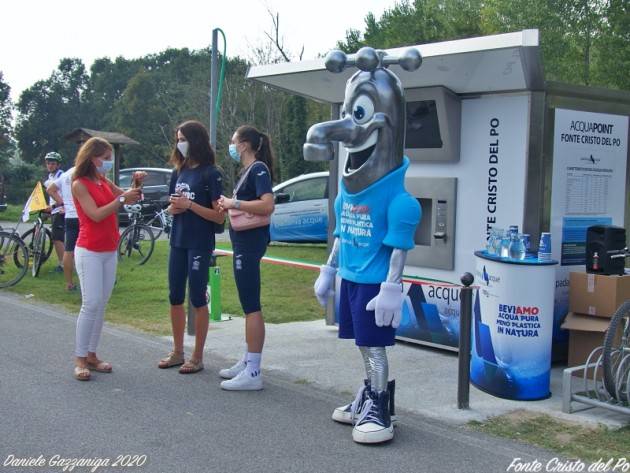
(513, 316)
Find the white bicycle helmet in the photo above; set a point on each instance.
(53, 156)
(133, 208)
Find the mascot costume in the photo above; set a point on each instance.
(375, 224)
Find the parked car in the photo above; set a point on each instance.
(155, 189)
(301, 213)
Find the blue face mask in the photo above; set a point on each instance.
(234, 154)
(105, 167)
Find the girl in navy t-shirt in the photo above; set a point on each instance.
(253, 194)
(195, 190)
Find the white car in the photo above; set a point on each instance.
(301, 213)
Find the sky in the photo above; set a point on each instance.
(36, 34)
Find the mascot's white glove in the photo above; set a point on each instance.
(325, 283)
(387, 305)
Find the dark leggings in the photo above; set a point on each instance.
(191, 264)
(246, 265)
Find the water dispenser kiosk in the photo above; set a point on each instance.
(491, 144)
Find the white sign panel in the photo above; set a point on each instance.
(588, 186)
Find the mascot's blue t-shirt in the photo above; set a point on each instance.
(371, 223)
(202, 185)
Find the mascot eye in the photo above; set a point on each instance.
(363, 110)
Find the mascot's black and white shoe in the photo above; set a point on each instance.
(347, 415)
(374, 423)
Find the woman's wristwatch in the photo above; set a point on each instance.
(237, 204)
(121, 199)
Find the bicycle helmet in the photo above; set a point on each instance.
(53, 156)
(133, 208)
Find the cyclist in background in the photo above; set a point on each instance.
(61, 191)
(53, 166)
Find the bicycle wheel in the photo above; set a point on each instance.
(37, 250)
(136, 244)
(616, 354)
(12, 249)
(27, 238)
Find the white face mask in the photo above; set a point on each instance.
(182, 146)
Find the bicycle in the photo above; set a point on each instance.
(12, 251)
(39, 243)
(616, 355)
(137, 241)
(160, 221)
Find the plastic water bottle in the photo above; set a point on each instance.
(498, 233)
(517, 247)
(492, 245)
(526, 240)
(505, 245)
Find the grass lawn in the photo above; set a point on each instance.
(12, 214)
(571, 440)
(140, 297)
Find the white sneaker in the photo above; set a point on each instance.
(346, 414)
(244, 381)
(229, 373)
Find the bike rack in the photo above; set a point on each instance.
(589, 388)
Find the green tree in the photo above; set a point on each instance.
(6, 129)
(613, 46)
(50, 109)
(418, 22)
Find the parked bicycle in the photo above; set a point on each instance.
(160, 221)
(13, 258)
(137, 241)
(616, 355)
(38, 242)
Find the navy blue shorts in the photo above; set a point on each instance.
(191, 264)
(72, 233)
(358, 323)
(58, 226)
(246, 265)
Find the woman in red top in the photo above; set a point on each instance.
(97, 201)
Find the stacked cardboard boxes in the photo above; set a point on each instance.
(593, 299)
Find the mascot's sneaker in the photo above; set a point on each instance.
(374, 424)
(346, 414)
(229, 373)
(244, 381)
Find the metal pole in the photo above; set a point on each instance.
(213, 141)
(214, 75)
(465, 316)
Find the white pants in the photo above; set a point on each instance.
(97, 274)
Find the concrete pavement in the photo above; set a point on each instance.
(187, 424)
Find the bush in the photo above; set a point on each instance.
(20, 178)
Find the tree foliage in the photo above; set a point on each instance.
(583, 42)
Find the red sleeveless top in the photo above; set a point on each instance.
(97, 236)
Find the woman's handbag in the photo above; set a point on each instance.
(241, 220)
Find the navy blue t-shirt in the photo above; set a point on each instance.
(257, 183)
(202, 185)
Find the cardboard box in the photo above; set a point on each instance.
(597, 294)
(585, 334)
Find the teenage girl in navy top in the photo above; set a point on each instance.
(195, 188)
(252, 149)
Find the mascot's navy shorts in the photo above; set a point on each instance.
(358, 323)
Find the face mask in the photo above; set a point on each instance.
(105, 167)
(234, 154)
(182, 146)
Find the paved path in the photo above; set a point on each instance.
(186, 423)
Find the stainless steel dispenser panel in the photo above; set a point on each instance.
(435, 235)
